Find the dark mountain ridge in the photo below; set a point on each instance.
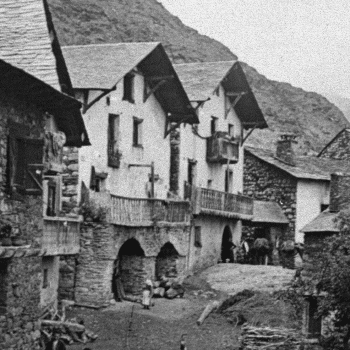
(286, 108)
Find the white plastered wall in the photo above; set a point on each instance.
(310, 196)
(49, 292)
(127, 181)
(193, 147)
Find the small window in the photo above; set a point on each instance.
(113, 141)
(45, 278)
(52, 194)
(198, 236)
(3, 286)
(97, 180)
(25, 164)
(209, 183)
(213, 125)
(230, 130)
(324, 207)
(137, 132)
(129, 88)
(228, 180)
(191, 171)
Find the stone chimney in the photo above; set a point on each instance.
(339, 192)
(285, 149)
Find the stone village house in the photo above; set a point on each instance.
(131, 98)
(36, 120)
(299, 184)
(323, 226)
(210, 157)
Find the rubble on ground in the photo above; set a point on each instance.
(72, 330)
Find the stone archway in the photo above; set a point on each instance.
(226, 245)
(130, 268)
(166, 262)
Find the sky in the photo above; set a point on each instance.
(302, 42)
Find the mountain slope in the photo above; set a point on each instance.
(285, 107)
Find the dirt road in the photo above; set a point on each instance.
(161, 327)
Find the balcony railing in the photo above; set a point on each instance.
(146, 212)
(61, 235)
(212, 202)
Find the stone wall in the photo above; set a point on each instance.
(25, 217)
(70, 180)
(19, 328)
(313, 253)
(339, 148)
(67, 270)
(265, 182)
(100, 247)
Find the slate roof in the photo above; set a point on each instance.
(324, 222)
(268, 212)
(307, 167)
(103, 66)
(333, 140)
(25, 40)
(201, 80)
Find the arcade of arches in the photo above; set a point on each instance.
(132, 267)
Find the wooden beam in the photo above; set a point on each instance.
(233, 104)
(86, 107)
(248, 134)
(147, 94)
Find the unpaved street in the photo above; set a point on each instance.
(162, 326)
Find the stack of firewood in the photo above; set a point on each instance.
(254, 338)
(72, 330)
(168, 288)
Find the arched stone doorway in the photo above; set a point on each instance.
(226, 245)
(166, 262)
(129, 269)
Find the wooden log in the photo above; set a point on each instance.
(88, 306)
(74, 327)
(208, 309)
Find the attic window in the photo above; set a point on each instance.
(213, 125)
(129, 88)
(137, 132)
(230, 130)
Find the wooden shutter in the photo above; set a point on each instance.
(16, 165)
(34, 165)
(93, 179)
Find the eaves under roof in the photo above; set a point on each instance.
(103, 66)
(202, 79)
(268, 212)
(66, 109)
(307, 167)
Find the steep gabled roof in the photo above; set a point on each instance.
(25, 40)
(103, 66)
(268, 212)
(17, 82)
(29, 42)
(202, 79)
(307, 167)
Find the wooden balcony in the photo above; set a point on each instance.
(61, 235)
(147, 212)
(212, 202)
(222, 149)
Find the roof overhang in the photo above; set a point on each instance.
(65, 108)
(247, 108)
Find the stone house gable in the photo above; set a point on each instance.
(338, 147)
(263, 181)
